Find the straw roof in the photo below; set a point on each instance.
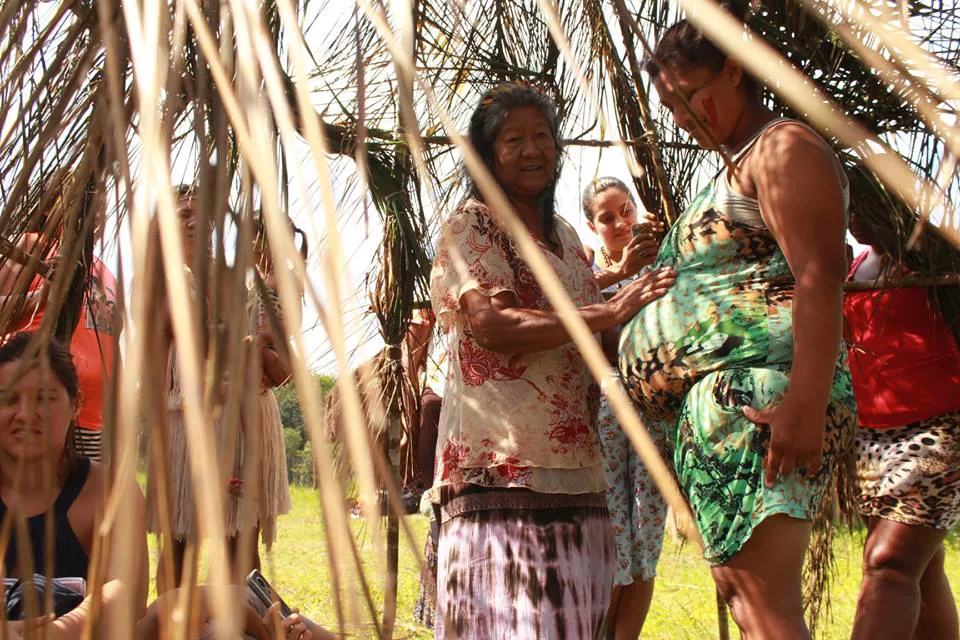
(118, 95)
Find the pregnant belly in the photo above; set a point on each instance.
(702, 324)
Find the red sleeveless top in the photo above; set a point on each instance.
(903, 357)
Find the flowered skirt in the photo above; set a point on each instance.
(638, 511)
(911, 474)
(719, 454)
(535, 572)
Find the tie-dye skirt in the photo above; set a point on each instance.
(542, 571)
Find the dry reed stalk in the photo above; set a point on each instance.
(927, 70)
(272, 88)
(892, 73)
(282, 246)
(549, 9)
(148, 56)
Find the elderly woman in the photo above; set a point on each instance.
(38, 415)
(525, 547)
(742, 358)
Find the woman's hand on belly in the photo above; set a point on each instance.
(498, 322)
(796, 438)
(641, 292)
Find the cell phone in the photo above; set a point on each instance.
(266, 593)
(644, 228)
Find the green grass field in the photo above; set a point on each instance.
(684, 605)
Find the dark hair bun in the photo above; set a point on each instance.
(739, 9)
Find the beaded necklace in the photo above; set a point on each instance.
(608, 262)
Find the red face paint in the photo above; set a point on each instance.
(710, 108)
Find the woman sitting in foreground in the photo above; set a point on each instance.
(742, 357)
(256, 623)
(40, 404)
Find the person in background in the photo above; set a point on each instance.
(94, 342)
(611, 212)
(524, 547)
(637, 508)
(274, 488)
(420, 435)
(176, 516)
(427, 421)
(743, 358)
(906, 375)
(42, 402)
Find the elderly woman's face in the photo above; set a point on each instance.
(524, 152)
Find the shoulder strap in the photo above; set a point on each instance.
(9, 558)
(73, 486)
(856, 263)
(756, 136)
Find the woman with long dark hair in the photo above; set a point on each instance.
(742, 358)
(41, 476)
(524, 546)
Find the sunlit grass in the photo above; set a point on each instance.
(684, 604)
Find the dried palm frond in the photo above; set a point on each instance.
(131, 98)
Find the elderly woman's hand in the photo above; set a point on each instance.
(639, 293)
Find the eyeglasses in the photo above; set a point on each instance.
(689, 96)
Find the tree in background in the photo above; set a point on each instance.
(296, 438)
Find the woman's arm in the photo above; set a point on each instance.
(275, 367)
(801, 199)
(499, 323)
(641, 252)
(26, 247)
(123, 586)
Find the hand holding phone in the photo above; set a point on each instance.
(266, 594)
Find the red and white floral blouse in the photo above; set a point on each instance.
(512, 420)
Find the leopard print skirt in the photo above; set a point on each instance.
(911, 474)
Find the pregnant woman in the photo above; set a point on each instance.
(742, 357)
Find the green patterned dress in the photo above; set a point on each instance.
(719, 340)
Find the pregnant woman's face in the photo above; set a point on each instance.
(525, 153)
(715, 98)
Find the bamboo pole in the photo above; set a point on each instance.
(881, 284)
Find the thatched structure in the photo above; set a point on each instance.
(123, 95)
